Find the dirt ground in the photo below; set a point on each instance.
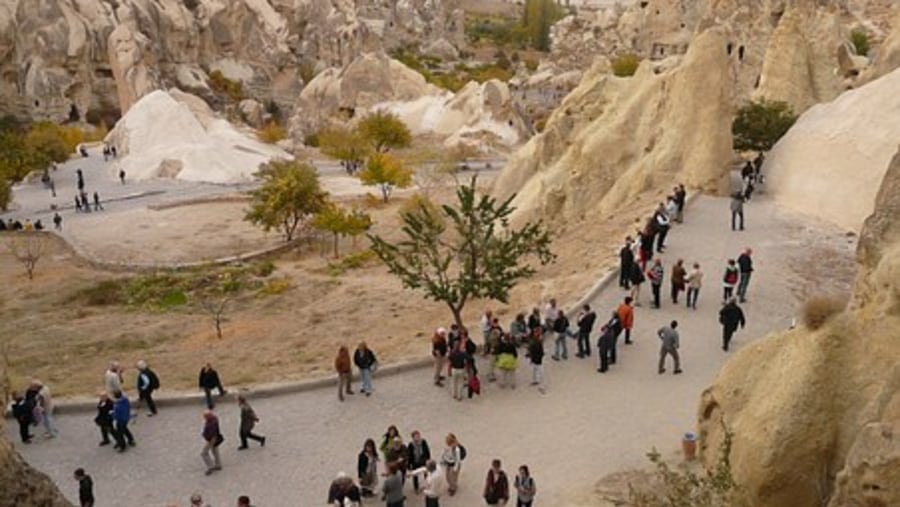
(54, 335)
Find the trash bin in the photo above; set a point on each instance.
(689, 446)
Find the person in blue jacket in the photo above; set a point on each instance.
(121, 416)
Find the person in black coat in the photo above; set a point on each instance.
(730, 316)
(85, 488)
(365, 360)
(626, 259)
(586, 320)
(417, 455)
(23, 411)
(209, 380)
(104, 418)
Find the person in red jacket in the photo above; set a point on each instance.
(626, 316)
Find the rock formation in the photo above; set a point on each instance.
(614, 138)
(161, 137)
(831, 162)
(23, 486)
(816, 413)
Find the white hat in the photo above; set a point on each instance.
(441, 331)
(141, 364)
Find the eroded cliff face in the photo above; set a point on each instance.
(78, 59)
(816, 413)
(23, 486)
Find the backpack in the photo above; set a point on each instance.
(731, 276)
(154, 380)
(462, 452)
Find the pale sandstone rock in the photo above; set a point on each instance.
(443, 49)
(132, 65)
(252, 112)
(832, 160)
(887, 56)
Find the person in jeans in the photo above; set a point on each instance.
(392, 488)
(212, 438)
(458, 359)
(248, 421)
(585, 322)
(670, 343)
(451, 461)
(694, 283)
(45, 401)
(526, 489)
(364, 359)
(209, 380)
(737, 210)
(561, 328)
(343, 368)
(121, 417)
(536, 356)
(496, 485)
(745, 266)
(434, 482)
(439, 354)
(729, 280)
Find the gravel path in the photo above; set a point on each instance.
(584, 427)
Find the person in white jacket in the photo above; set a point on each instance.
(434, 483)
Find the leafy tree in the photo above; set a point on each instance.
(51, 142)
(341, 222)
(5, 192)
(860, 40)
(385, 131)
(469, 251)
(537, 18)
(387, 172)
(759, 125)
(289, 195)
(345, 144)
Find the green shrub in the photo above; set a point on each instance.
(172, 299)
(860, 40)
(271, 133)
(275, 287)
(105, 293)
(625, 65)
(311, 139)
(264, 268)
(355, 260)
(224, 86)
(759, 125)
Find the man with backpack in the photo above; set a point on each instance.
(147, 382)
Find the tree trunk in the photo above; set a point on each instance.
(335, 245)
(457, 315)
(219, 327)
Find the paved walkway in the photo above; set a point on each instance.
(587, 425)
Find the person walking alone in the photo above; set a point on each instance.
(536, 356)
(678, 280)
(626, 259)
(212, 439)
(730, 316)
(364, 359)
(209, 380)
(670, 343)
(121, 417)
(586, 320)
(737, 211)
(745, 266)
(439, 351)
(343, 367)
(655, 274)
(496, 485)
(625, 311)
(85, 488)
(147, 382)
(729, 280)
(248, 421)
(694, 283)
(526, 489)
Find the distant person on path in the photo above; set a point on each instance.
(536, 356)
(418, 454)
(97, 205)
(625, 312)
(79, 180)
(730, 316)
(112, 379)
(209, 380)
(551, 313)
(45, 402)
(106, 153)
(507, 361)
(694, 283)
(671, 207)
(439, 351)
(645, 238)
(458, 359)
(248, 421)
(77, 204)
(637, 279)
(655, 274)
(434, 482)
(662, 224)
(52, 188)
(679, 275)
(518, 328)
(451, 461)
(23, 411)
(344, 369)
(112, 150)
(486, 323)
(585, 322)
(680, 200)
(104, 418)
(392, 488)
(729, 280)
(367, 468)
(737, 211)
(670, 343)
(122, 176)
(57, 221)
(121, 417)
(212, 438)
(496, 485)
(526, 489)
(147, 382)
(364, 359)
(614, 325)
(745, 266)
(561, 328)
(85, 488)
(85, 205)
(626, 260)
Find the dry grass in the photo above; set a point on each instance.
(820, 309)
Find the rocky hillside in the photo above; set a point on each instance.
(816, 412)
(23, 486)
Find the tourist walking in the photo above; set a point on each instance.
(418, 454)
(668, 335)
(439, 354)
(57, 221)
(147, 382)
(85, 488)
(121, 418)
(343, 368)
(730, 316)
(209, 380)
(626, 260)
(364, 359)
(679, 275)
(645, 238)
(496, 485)
(507, 361)
(637, 279)
(729, 280)
(737, 211)
(122, 176)
(45, 403)
(97, 205)
(392, 488)
(694, 283)
(661, 219)
(367, 468)
(585, 322)
(451, 461)
(458, 359)
(434, 483)
(614, 325)
(112, 379)
(625, 312)
(655, 274)
(23, 411)
(561, 328)
(745, 266)
(526, 489)
(104, 418)
(212, 439)
(680, 200)
(248, 422)
(536, 356)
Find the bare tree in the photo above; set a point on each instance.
(28, 250)
(215, 307)
(5, 375)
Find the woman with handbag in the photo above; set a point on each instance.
(496, 485)
(213, 439)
